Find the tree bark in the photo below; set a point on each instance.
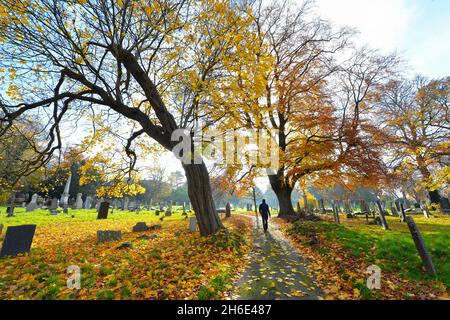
(199, 191)
(283, 192)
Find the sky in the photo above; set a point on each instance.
(418, 30)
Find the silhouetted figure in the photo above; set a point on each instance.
(265, 214)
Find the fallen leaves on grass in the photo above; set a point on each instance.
(174, 265)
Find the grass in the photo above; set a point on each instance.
(42, 217)
(392, 250)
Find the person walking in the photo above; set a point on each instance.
(265, 214)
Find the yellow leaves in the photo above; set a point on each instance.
(13, 92)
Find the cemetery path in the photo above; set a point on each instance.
(276, 270)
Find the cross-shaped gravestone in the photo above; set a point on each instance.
(103, 210)
(18, 240)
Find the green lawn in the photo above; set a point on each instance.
(392, 250)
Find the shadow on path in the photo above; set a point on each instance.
(276, 270)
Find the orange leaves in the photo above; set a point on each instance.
(167, 267)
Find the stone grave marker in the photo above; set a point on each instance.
(125, 204)
(54, 204)
(382, 217)
(18, 239)
(33, 203)
(192, 224)
(10, 211)
(420, 245)
(87, 203)
(140, 227)
(103, 210)
(108, 235)
(228, 210)
(65, 196)
(79, 201)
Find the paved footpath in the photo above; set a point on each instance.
(276, 270)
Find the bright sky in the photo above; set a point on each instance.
(419, 30)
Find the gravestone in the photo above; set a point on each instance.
(192, 224)
(420, 245)
(125, 204)
(103, 210)
(228, 210)
(79, 201)
(10, 211)
(184, 209)
(402, 215)
(140, 227)
(54, 204)
(18, 239)
(383, 218)
(445, 205)
(108, 235)
(87, 203)
(33, 203)
(65, 196)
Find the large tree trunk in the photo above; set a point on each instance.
(283, 192)
(199, 191)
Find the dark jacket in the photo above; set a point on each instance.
(264, 210)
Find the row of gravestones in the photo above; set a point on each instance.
(18, 239)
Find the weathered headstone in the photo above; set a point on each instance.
(382, 217)
(140, 227)
(10, 211)
(402, 215)
(125, 204)
(420, 245)
(33, 203)
(18, 239)
(192, 224)
(103, 210)
(108, 235)
(65, 196)
(228, 210)
(87, 203)
(54, 204)
(79, 201)
(336, 214)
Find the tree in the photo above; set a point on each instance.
(314, 104)
(152, 65)
(415, 116)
